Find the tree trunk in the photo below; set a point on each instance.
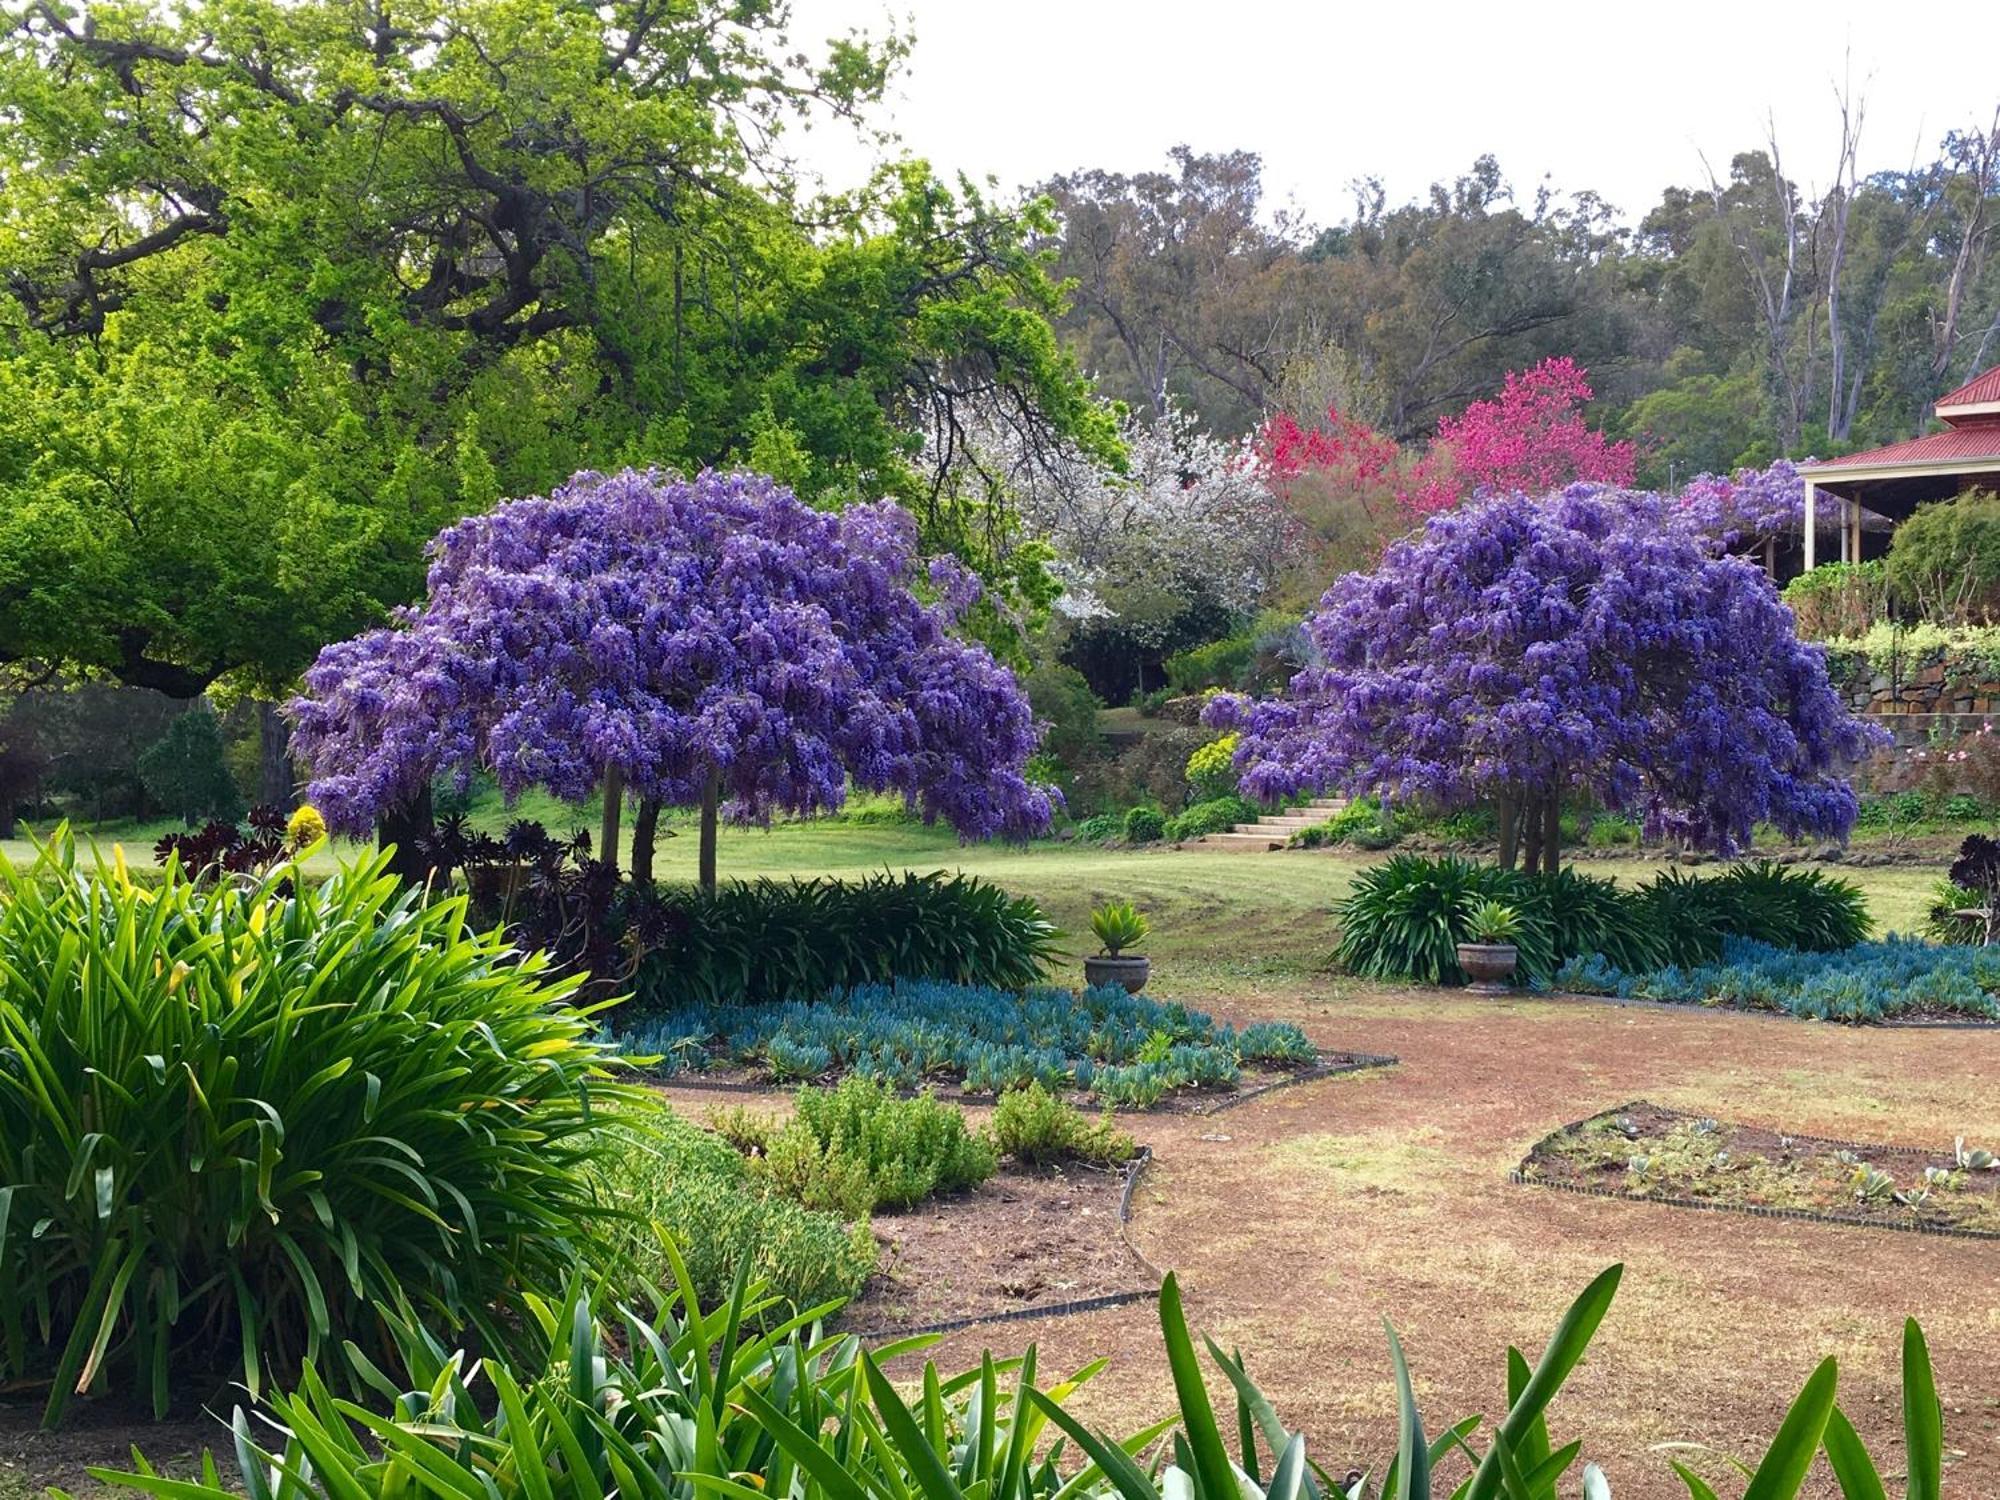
(1551, 834)
(614, 812)
(277, 777)
(645, 833)
(1530, 818)
(1509, 811)
(402, 829)
(711, 801)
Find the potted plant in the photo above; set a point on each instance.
(1489, 958)
(1119, 926)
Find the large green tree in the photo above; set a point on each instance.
(291, 285)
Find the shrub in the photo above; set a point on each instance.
(1945, 560)
(1942, 922)
(1611, 831)
(186, 773)
(1689, 914)
(1217, 815)
(797, 940)
(1038, 1128)
(1404, 918)
(860, 1147)
(1211, 771)
(1145, 825)
(1361, 823)
(1099, 829)
(1219, 664)
(1067, 708)
(1792, 908)
(242, 1122)
(675, 1178)
(1836, 600)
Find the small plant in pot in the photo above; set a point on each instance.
(1119, 926)
(1490, 956)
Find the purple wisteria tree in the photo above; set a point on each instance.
(1593, 641)
(710, 642)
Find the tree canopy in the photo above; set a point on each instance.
(291, 286)
(1521, 650)
(713, 642)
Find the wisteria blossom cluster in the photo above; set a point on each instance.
(1585, 641)
(1187, 504)
(1741, 510)
(673, 628)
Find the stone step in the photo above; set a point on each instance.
(1247, 843)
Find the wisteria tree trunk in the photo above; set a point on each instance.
(614, 812)
(1551, 834)
(1509, 815)
(645, 834)
(406, 826)
(711, 803)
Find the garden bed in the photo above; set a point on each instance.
(1028, 1242)
(1099, 1048)
(1648, 1153)
(1900, 980)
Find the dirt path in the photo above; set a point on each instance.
(1334, 1204)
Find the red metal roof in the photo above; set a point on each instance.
(1983, 389)
(1976, 441)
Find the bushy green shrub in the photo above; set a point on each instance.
(675, 1178)
(1945, 560)
(241, 1121)
(1217, 815)
(1836, 600)
(1611, 831)
(1220, 664)
(1099, 829)
(859, 1147)
(799, 939)
(1038, 1128)
(1145, 825)
(1360, 823)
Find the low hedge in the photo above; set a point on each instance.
(768, 940)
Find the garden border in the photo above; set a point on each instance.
(1755, 1210)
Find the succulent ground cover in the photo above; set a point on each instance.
(1116, 1049)
(1898, 979)
(1649, 1152)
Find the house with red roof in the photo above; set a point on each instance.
(1877, 489)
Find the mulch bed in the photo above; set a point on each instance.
(1693, 1162)
(1024, 1243)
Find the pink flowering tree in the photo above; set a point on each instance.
(711, 642)
(1530, 438)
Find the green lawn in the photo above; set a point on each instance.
(1223, 922)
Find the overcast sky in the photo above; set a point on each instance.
(1618, 97)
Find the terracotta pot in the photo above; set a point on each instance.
(1488, 965)
(1127, 970)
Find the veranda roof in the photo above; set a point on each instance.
(1895, 479)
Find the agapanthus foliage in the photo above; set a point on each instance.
(1519, 650)
(671, 630)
